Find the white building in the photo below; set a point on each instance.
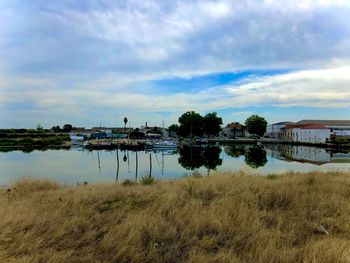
(233, 130)
(274, 130)
(337, 127)
(308, 133)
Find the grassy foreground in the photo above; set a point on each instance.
(221, 218)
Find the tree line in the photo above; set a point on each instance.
(192, 123)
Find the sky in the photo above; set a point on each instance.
(95, 62)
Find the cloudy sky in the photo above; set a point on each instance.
(85, 62)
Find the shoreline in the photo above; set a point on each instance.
(139, 145)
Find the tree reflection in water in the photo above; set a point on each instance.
(195, 157)
(212, 157)
(255, 157)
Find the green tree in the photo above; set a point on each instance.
(67, 128)
(125, 122)
(174, 128)
(212, 124)
(256, 125)
(56, 128)
(191, 123)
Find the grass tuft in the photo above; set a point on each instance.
(147, 180)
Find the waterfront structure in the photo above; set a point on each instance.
(310, 131)
(233, 130)
(337, 127)
(306, 133)
(274, 130)
(155, 131)
(109, 131)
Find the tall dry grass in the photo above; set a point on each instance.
(221, 218)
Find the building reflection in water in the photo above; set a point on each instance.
(307, 154)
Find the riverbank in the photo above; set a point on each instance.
(33, 139)
(221, 218)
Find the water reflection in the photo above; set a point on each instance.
(307, 154)
(79, 165)
(195, 157)
(5, 149)
(255, 157)
(235, 150)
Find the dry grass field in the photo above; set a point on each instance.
(220, 218)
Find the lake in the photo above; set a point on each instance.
(77, 165)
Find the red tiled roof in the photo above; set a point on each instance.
(326, 122)
(313, 126)
(234, 125)
(305, 126)
(292, 126)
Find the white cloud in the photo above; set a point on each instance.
(71, 59)
(325, 88)
(161, 37)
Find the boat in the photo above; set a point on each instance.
(165, 144)
(76, 139)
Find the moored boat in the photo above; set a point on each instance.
(165, 144)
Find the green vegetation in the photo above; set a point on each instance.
(31, 138)
(221, 218)
(21, 131)
(340, 139)
(125, 122)
(147, 180)
(212, 124)
(193, 123)
(256, 125)
(174, 128)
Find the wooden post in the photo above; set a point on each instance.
(127, 153)
(99, 162)
(117, 174)
(137, 166)
(150, 164)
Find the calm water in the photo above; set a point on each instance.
(77, 165)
